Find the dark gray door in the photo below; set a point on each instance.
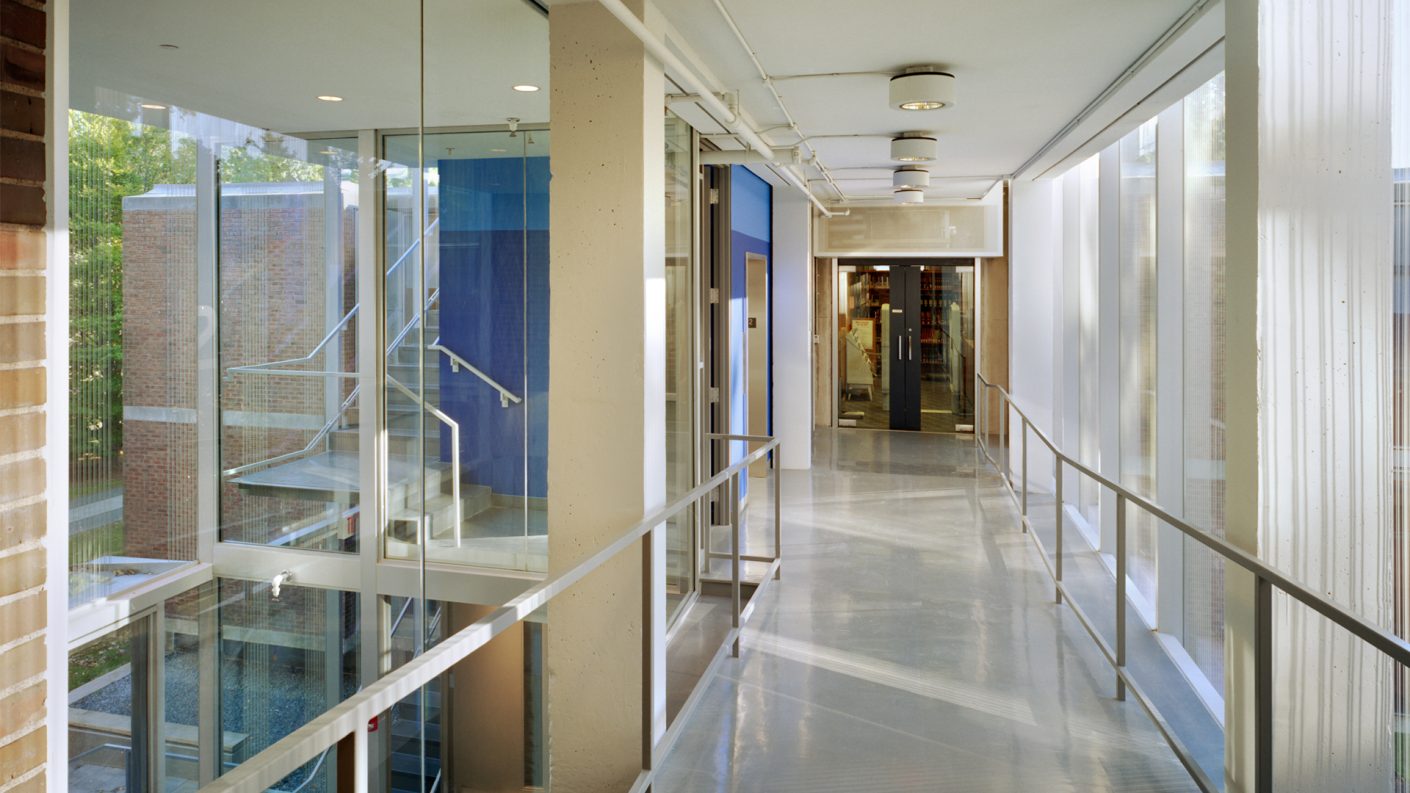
(905, 348)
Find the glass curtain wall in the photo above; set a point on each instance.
(1400, 327)
(1204, 238)
(681, 359)
(466, 315)
(1137, 373)
(132, 353)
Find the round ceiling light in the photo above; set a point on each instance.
(910, 176)
(526, 88)
(329, 98)
(909, 195)
(914, 147)
(922, 88)
(152, 106)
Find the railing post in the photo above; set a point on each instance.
(1120, 594)
(1263, 687)
(734, 559)
(1003, 438)
(1023, 501)
(778, 509)
(1057, 559)
(362, 760)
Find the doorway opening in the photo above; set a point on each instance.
(905, 345)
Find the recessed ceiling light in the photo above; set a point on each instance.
(913, 147)
(329, 98)
(152, 106)
(499, 151)
(526, 88)
(922, 88)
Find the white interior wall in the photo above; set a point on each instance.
(793, 328)
(1035, 270)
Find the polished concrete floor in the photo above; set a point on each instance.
(912, 644)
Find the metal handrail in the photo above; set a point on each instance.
(414, 321)
(1267, 578)
(272, 367)
(456, 362)
(454, 461)
(275, 365)
(313, 442)
(349, 718)
(396, 623)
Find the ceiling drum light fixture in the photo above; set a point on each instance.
(526, 88)
(914, 147)
(909, 195)
(329, 98)
(910, 176)
(922, 88)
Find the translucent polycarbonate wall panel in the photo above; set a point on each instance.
(1137, 373)
(1400, 318)
(1085, 225)
(287, 225)
(467, 350)
(132, 335)
(681, 358)
(1204, 327)
(1319, 226)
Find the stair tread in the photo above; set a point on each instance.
(330, 471)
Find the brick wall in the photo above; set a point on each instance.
(22, 393)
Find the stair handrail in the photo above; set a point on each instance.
(430, 301)
(454, 463)
(313, 442)
(342, 323)
(456, 362)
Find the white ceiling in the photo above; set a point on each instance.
(1024, 69)
(264, 62)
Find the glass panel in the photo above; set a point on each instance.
(680, 358)
(283, 661)
(132, 350)
(864, 346)
(1138, 346)
(947, 348)
(109, 725)
(288, 400)
(481, 372)
(1204, 375)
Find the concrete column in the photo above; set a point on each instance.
(793, 327)
(1308, 296)
(607, 440)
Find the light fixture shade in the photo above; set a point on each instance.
(910, 176)
(922, 88)
(914, 147)
(909, 195)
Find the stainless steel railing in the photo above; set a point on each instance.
(454, 425)
(1267, 579)
(457, 362)
(349, 719)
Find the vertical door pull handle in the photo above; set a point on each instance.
(898, 348)
(910, 348)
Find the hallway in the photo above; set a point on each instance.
(913, 645)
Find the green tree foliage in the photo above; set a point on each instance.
(109, 160)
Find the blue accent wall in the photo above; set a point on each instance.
(494, 314)
(751, 231)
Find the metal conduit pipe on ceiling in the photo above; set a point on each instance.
(707, 97)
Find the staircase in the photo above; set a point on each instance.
(419, 481)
